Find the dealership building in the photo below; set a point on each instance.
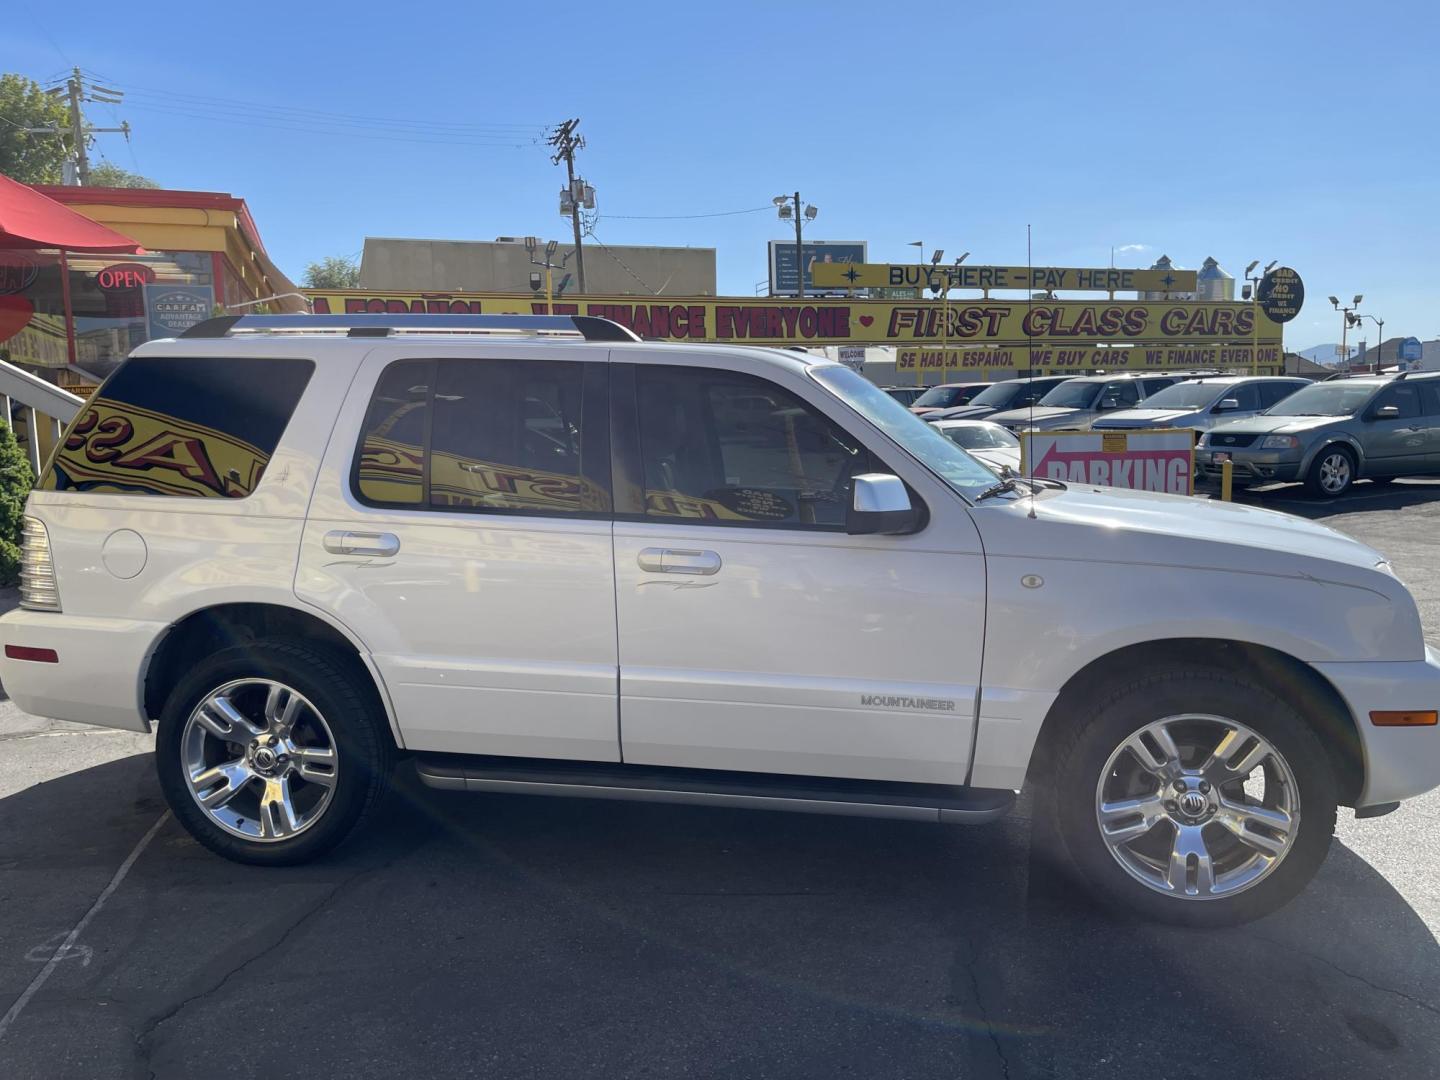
(202, 253)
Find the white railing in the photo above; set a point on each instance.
(19, 390)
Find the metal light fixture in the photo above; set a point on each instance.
(810, 212)
(530, 243)
(935, 258)
(1270, 266)
(1334, 301)
(1253, 263)
(780, 200)
(962, 258)
(550, 249)
(1357, 299)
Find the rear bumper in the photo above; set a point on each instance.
(98, 677)
(1399, 762)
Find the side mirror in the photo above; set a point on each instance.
(1387, 412)
(1226, 404)
(880, 504)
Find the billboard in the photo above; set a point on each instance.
(813, 253)
(1159, 460)
(1038, 325)
(1052, 278)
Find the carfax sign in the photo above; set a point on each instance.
(1159, 460)
(170, 310)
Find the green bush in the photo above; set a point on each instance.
(16, 480)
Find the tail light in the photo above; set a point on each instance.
(39, 589)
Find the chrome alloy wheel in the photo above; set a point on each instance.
(259, 759)
(1335, 472)
(1197, 807)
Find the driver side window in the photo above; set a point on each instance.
(731, 449)
(1405, 398)
(1119, 396)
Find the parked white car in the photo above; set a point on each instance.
(1200, 404)
(994, 445)
(546, 557)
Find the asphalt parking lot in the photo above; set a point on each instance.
(514, 937)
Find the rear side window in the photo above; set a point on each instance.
(487, 435)
(190, 426)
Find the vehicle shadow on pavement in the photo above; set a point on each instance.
(1365, 497)
(519, 936)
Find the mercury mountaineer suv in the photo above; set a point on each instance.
(539, 555)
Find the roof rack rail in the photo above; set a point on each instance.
(589, 327)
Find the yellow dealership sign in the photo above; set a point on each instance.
(919, 276)
(1085, 358)
(843, 321)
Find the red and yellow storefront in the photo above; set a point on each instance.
(203, 254)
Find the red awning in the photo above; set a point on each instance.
(30, 220)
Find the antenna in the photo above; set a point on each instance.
(1030, 361)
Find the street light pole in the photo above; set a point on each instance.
(1345, 322)
(799, 253)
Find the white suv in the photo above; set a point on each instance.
(539, 555)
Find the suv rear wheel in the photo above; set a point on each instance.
(1194, 797)
(270, 753)
(1332, 472)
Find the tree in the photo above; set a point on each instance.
(16, 480)
(108, 175)
(32, 158)
(336, 272)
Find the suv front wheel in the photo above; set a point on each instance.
(1332, 472)
(1193, 797)
(270, 752)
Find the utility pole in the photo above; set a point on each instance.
(77, 129)
(77, 92)
(566, 142)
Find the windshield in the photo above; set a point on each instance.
(1072, 395)
(1185, 396)
(942, 397)
(998, 396)
(1325, 399)
(929, 447)
(978, 437)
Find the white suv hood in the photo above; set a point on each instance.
(1118, 525)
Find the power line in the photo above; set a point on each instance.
(686, 217)
(590, 232)
(303, 114)
(437, 139)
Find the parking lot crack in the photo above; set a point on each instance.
(144, 1038)
(1318, 958)
(972, 971)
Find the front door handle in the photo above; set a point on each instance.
(345, 542)
(678, 561)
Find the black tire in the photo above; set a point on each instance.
(363, 746)
(1079, 757)
(1330, 461)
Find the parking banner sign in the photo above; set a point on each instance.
(1145, 460)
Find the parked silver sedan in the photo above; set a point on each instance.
(991, 443)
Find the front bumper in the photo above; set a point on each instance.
(98, 677)
(1400, 762)
(1250, 466)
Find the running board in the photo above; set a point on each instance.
(705, 787)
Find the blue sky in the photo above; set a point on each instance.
(1304, 132)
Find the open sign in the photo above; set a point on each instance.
(125, 276)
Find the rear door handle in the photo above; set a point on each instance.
(678, 561)
(345, 542)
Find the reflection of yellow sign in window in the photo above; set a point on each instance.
(392, 472)
(117, 447)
